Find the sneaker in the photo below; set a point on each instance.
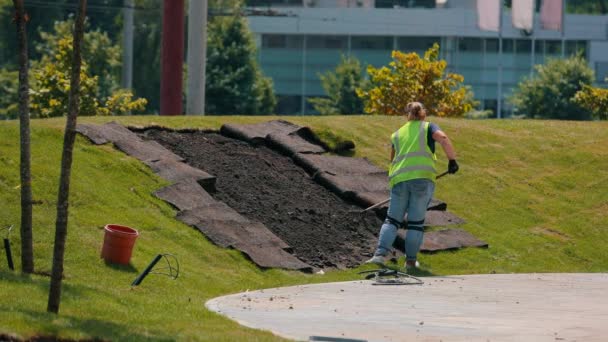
(376, 259)
(411, 264)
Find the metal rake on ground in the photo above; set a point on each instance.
(387, 276)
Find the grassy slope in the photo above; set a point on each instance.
(537, 191)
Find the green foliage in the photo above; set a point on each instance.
(595, 100)
(121, 103)
(550, 92)
(100, 53)
(43, 18)
(8, 35)
(265, 92)
(9, 97)
(341, 88)
(412, 78)
(49, 96)
(587, 7)
(99, 94)
(234, 80)
(146, 38)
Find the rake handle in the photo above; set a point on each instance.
(141, 277)
(9, 255)
(388, 199)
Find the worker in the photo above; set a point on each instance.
(412, 182)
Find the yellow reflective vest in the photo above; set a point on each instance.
(413, 157)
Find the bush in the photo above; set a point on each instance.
(341, 86)
(412, 78)
(51, 77)
(9, 97)
(234, 81)
(595, 100)
(550, 93)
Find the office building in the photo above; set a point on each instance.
(298, 39)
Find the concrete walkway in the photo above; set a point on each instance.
(509, 307)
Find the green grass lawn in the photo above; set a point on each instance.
(536, 191)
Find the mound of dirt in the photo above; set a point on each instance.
(322, 229)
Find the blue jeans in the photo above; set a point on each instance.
(413, 197)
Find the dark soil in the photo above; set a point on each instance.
(268, 187)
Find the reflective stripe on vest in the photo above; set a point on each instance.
(422, 152)
(413, 158)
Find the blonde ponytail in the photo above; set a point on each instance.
(415, 110)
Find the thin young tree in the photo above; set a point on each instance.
(61, 224)
(27, 249)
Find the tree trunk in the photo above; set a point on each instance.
(61, 224)
(27, 250)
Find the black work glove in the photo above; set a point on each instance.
(452, 166)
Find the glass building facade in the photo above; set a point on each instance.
(295, 50)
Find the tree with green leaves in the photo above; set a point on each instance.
(593, 99)
(234, 80)
(98, 80)
(9, 98)
(549, 93)
(410, 77)
(100, 53)
(588, 7)
(341, 86)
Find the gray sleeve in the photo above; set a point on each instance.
(433, 127)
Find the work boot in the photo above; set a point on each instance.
(411, 264)
(376, 259)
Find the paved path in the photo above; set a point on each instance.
(510, 307)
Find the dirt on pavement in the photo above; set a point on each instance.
(266, 186)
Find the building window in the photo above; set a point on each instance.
(372, 43)
(508, 45)
(470, 44)
(576, 46)
(265, 3)
(417, 43)
(523, 46)
(281, 41)
(539, 47)
(274, 41)
(489, 104)
(294, 42)
(327, 42)
(492, 45)
(601, 72)
(553, 47)
(289, 104)
(405, 3)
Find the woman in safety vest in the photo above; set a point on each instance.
(412, 182)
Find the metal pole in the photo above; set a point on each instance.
(563, 28)
(127, 45)
(172, 58)
(303, 103)
(484, 69)
(499, 88)
(349, 42)
(533, 54)
(197, 56)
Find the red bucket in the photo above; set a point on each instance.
(118, 243)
